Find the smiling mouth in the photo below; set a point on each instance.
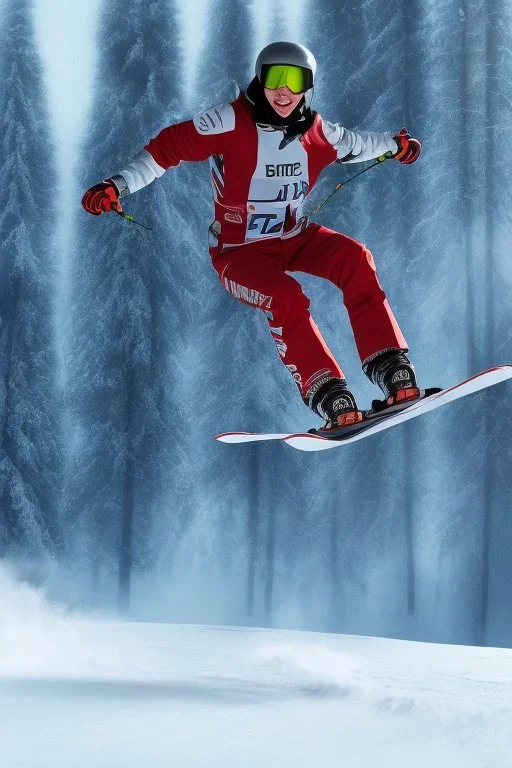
(282, 103)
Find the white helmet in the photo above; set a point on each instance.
(293, 54)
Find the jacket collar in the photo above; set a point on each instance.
(296, 124)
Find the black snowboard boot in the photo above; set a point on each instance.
(336, 404)
(394, 373)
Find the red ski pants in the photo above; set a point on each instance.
(257, 276)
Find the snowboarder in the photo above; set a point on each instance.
(266, 150)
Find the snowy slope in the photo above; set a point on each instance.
(79, 693)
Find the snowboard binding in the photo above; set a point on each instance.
(335, 403)
(392, 371)
(403, 398)
(358, 421)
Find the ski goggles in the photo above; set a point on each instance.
(297, 79)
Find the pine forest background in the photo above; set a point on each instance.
(121, 355)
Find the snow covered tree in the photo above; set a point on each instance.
(30, 450)
(225, 338)
(495, 256)
(130, 304)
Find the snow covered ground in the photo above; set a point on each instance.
(77, 692)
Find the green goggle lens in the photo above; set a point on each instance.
(281, 75)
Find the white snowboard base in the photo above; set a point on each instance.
(311, 442)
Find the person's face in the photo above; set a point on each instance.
(282, 100)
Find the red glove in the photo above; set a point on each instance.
(100, 198)
(408, 148)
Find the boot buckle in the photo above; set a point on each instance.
(351, 417)
(408, 393)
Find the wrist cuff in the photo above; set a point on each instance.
(120, 184)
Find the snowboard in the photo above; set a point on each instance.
(305, 441)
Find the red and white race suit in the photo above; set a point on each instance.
(260, 234)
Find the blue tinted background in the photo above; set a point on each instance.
(121, 355)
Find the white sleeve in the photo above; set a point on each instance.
(358, 146)
(140, 172)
